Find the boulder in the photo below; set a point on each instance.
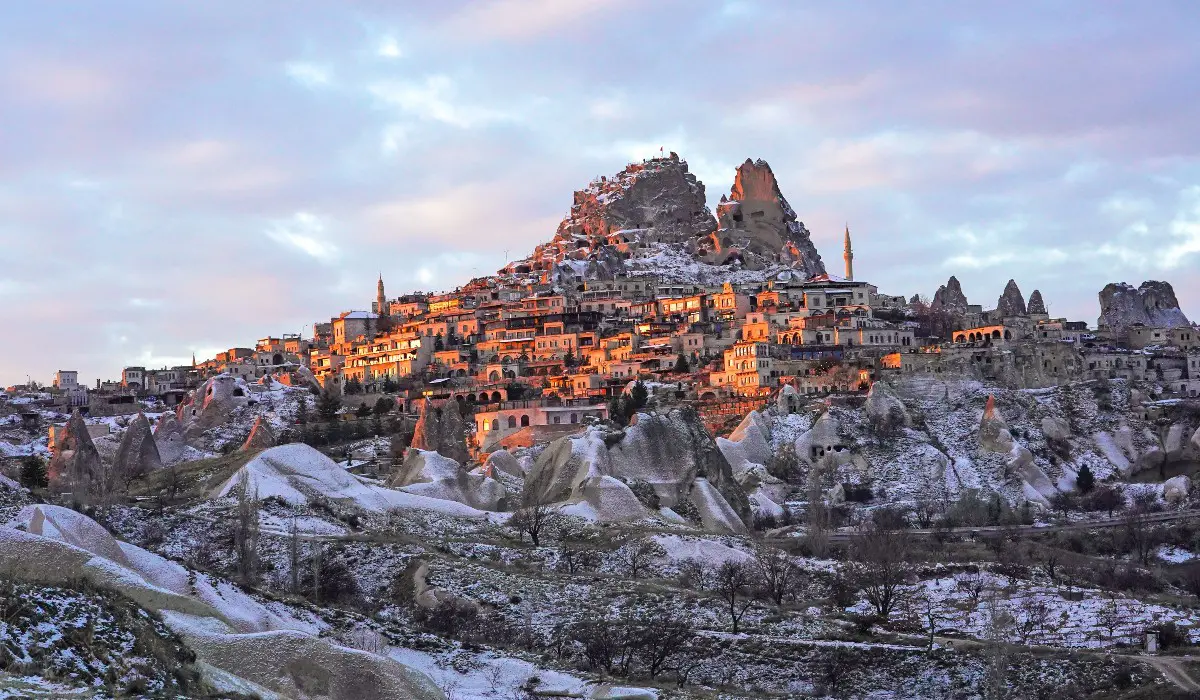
(754, 435)
(430, 474)
(1175, 489)
(1054, 428)
(75, 465)
(138, 453)
(1011, 303)
(442, 430)
(611, 499)
(168, 438)
(261, 436)
(504, 462)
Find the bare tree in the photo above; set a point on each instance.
(660, 640)
(818, 516)
(637, 556)
(930, 613)
(880, 562)
(734, 582)
(777, 573)
(695, 574)
(536, 511)
(294, 555)
(1141, 536)
(999, 624)
(576, 559)
(1034, 620)
(316, 570)
(245, 534)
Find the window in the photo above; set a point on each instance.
(495, 424)
(512, 421)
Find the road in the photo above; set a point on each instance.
(1175, 670)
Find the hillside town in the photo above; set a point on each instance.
(669, 453)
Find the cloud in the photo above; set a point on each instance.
(389, 48)
(305, 232)
(310, 75)
(518, 20)
(435, 98)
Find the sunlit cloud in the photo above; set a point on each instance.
(310, 75)
(305, 232)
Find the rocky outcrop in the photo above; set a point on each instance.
(1011, 303)
(672, 453)
(1036, 307)
(1055, 428)
(413, 586)
(1152, 304)
(168, 437)
(757, 226)
(994, 436)
(885, 411)
(75, 465)
(212, 404)
(1175, 489)
(138, 453)
(261, 436)
(442, 430)
(430, 474)
(503, 462)
(949, 298)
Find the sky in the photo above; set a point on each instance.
(179, 178)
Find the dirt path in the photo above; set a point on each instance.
(1175, 670)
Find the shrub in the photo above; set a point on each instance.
(645, 494)
(33, 473)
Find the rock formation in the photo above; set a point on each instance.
(885, 410)
(950, 298)
(1036, 305)
(212, 404)
(758, 227)
(168, 437)
(261, 436)
(670, 452)
(413, 582)
(1152, 304)
(994, 436)
(76, 464)
(430, 474)
(503, 461)
(442, 430)
(1011, 303)
(138, 453)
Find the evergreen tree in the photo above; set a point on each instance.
(33, 473)
(1085, 480)
(638, 396)
(681, 365)
(363, 410)
(328, 405)
(302, 410)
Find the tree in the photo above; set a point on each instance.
(363, 410)
(294, 555)
(536, 511)
(777, 573)
(328, 405)
(569, 359)
(33, 472)
(302, 410)
(573, 560)
(637, 556)
(389, 385)
(245, 534)
(1085, 480)
(617, 410)
(1106, 498)
(734, 581)
(639, 396)
(681, 365)
(353, 387)
(879, 559)
(1141, 536)
(658, 640)
(383, 406)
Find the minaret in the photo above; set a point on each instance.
(848, 256)
(380, 298)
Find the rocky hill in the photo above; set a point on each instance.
(652, 218)
(1151, 304)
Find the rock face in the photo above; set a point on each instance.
(430, 474)
(212, 404)
(950, 298)
(1036, 305)
(138, 453)
(168, 437)
(614, 218)
(76, 464)
(994, 436)
(442, 430)
(1151, 304)
(1011, 303)
(672, 453)
(261, 436)
(758, 227)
